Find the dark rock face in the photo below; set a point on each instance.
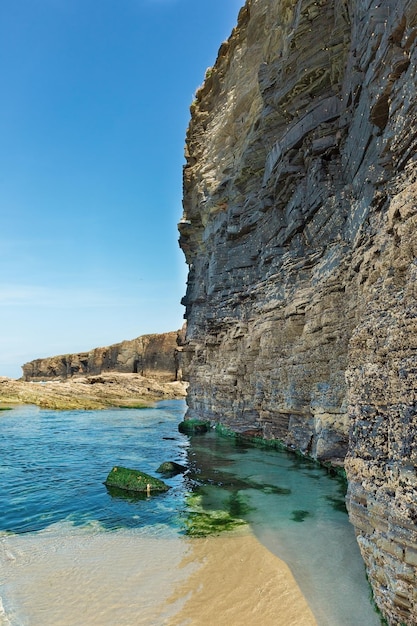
(155, 356)
(299, 228)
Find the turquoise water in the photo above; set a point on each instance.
(297, 510)
(53, 465)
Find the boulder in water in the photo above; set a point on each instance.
(134, 480)
(194, 427)
(171, 468)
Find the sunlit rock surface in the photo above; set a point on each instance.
(129, 374)
(149, 355)
(299, 231)
(91, 392)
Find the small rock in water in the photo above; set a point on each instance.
(134, 480)
(171, 468)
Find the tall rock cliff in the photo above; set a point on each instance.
(299, 229)
(155, 356)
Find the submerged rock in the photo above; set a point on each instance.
(134, 480)
(171, 468)
(202, 522)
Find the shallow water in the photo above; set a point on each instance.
(296, 509)
(61, 529)
(67, 576)
(54, 463)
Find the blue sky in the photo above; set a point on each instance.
(94, 107)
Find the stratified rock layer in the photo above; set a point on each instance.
(154, 356)
(300, 209)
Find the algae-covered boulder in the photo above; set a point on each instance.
(193, 427)
(171, 468)
(134, 480)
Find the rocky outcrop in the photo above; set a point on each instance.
(300, 209)
(91, 392)
(155, 356)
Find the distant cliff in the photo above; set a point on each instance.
(299, 229)
(154, 356)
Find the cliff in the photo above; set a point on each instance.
(300, 210)
(153, 356)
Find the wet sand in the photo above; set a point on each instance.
(102, 579)
(239, 582)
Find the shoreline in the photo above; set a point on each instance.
(101, 561)
(65, 576)
(104, 391)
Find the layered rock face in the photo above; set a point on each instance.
(300, 209)
(154, 356)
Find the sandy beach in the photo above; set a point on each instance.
(78, 578)
(238, 582)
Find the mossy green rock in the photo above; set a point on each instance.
(193, 427)
(134, 480)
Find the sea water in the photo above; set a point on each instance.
(61, 528)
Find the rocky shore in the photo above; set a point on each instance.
(133, 373)
(90, 392)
